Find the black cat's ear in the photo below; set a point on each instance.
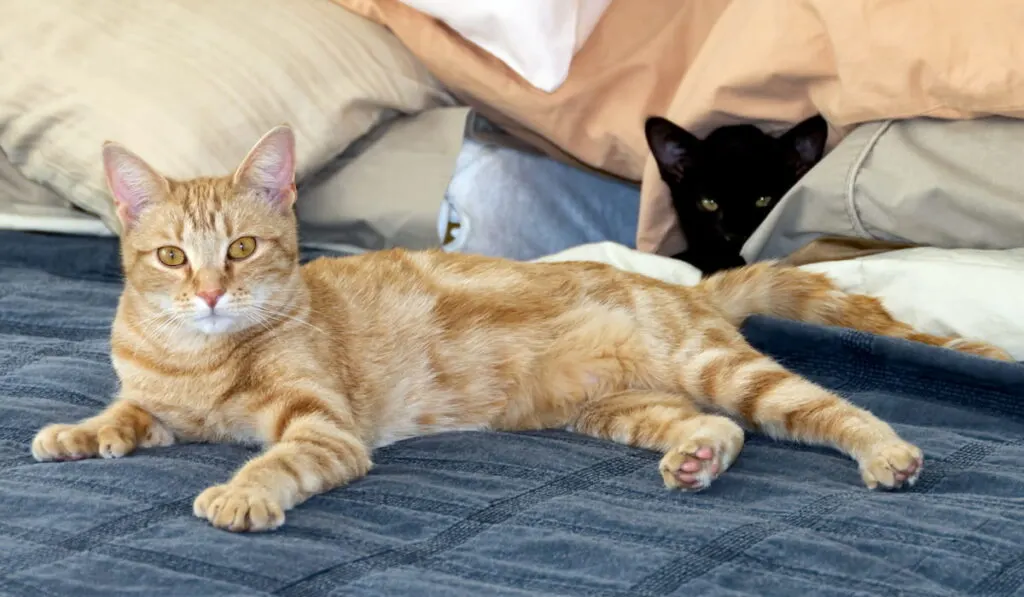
(805, 144)
(673, 147)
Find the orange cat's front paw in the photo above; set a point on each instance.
(239, 508)
(892, 465)
(708, 450)
(75, 442)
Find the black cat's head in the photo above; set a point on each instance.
(724, 186)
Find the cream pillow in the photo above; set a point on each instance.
(190, 84)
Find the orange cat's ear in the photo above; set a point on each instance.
(132, 182)
(269, 168)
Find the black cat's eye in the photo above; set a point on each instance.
(707, 205)
(763, 201)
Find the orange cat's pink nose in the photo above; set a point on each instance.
(211, 296)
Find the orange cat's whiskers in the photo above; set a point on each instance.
(272, 290)
(157, 325)
(253, 316)
(275, 315)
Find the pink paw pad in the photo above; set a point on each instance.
(71, 458)
(892, 465)
(709, 445)
(908, 473)
(698, 469)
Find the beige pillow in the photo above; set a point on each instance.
(190, 85)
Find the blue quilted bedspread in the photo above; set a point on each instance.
(506, 514)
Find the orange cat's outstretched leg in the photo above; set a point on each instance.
(718, 368)
(698, 447)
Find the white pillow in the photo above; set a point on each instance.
(190, 85)
(663, 268)
(968, 292)
(971, 293)
(536, 38)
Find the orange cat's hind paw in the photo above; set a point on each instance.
(892, 465)
(691, 471)
(708, 452)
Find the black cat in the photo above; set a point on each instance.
(724, 186)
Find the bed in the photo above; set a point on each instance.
(507, 514)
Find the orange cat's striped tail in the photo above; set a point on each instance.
(791, 293)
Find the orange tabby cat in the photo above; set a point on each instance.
(221, 336)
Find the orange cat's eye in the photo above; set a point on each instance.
(171, 256)
(241, 248)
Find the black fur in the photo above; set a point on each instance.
(741, 170)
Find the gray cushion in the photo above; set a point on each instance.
(951, 184)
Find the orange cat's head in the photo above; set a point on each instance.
(209, 255)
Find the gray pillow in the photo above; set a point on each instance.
(387, 188)
(951, 184)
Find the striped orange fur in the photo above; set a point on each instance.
(325, 362)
